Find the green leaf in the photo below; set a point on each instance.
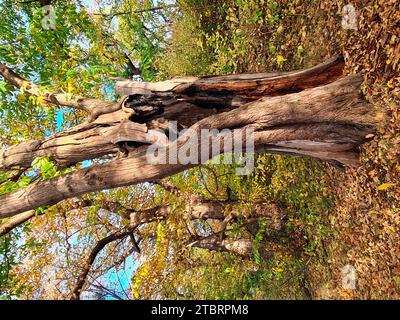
(3, 87)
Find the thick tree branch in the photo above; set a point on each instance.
(15, 221)
(247, 86)
(94, 107)
(78, 144)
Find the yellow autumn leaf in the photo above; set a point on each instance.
(280, 59)
(41, 100)
(372, 173)
(386, 186)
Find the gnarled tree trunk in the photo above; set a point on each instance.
(313, 112)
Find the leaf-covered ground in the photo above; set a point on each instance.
(366, 217)
(341, 217)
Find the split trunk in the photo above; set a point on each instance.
(313, 112)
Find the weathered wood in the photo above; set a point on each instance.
(94, 142)
(244, 86)
(128, 87)
(333, 117)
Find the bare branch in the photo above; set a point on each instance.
(120, 234)
(15, 221)
(94, 107)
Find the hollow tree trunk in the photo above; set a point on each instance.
(150, 105)
(312, 112)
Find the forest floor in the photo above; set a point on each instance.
(365, 219)
(361, 225)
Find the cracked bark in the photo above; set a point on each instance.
(313, 112)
